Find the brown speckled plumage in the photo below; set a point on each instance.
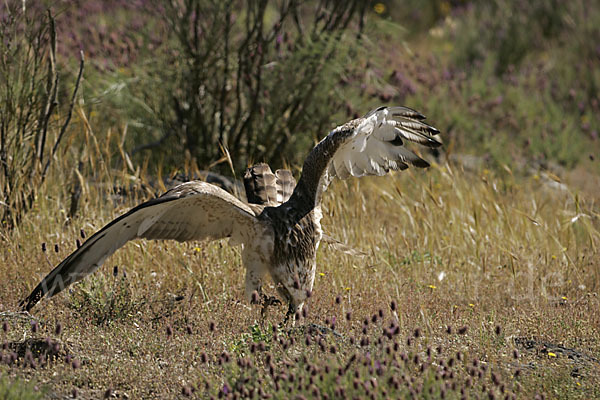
(279, 227)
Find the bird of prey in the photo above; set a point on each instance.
(279, 228)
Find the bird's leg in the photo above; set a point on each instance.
(290, 313)
(266, 302)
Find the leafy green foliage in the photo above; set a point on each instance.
(103, 306)
(19, 390)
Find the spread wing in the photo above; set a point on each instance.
(191, 211)
(377, 144)
(371, 145)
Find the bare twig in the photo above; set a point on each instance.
(69, 115)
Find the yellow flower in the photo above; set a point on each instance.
(197, 249)
(550, 354)
(321, 274)
(432, 287)
(564, 297)
(471, 305)
(553, 257)
(379, 8)
(347, 288)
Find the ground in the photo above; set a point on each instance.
(471, 282)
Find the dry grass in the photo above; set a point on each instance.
(496, 258)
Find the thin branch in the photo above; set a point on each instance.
(69, 114)
(52, 92)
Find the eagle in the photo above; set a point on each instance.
(279, 227)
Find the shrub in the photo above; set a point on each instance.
(32, 121)
(258, 79)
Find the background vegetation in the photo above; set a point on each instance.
(481, 274)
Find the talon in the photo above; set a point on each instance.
(266, 302)
(271, 300)
(290, 312)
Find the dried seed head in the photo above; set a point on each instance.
(308, 294)
(188, 329)
(115, 270)
(186, 391)
(56, 248)
(515, 353)
(462, 330)
(74, 393)
(44, 247)
(75, 364)
(211, 326)
(78, 243)
(82, 233)
(108, 393)
(5, 326)
(417, 333)
(393, 305)
(495, 379)
(58, 329)
(449, 330)
(169, 330)
(34, 327)
(338, 299)
(255, 297)
(498, 329)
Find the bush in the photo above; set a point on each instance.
(257, 78)
(32, 124)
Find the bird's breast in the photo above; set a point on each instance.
(296, 243)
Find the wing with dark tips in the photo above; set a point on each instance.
(371, 145)
(191, 211)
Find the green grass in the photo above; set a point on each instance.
(19, 390)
